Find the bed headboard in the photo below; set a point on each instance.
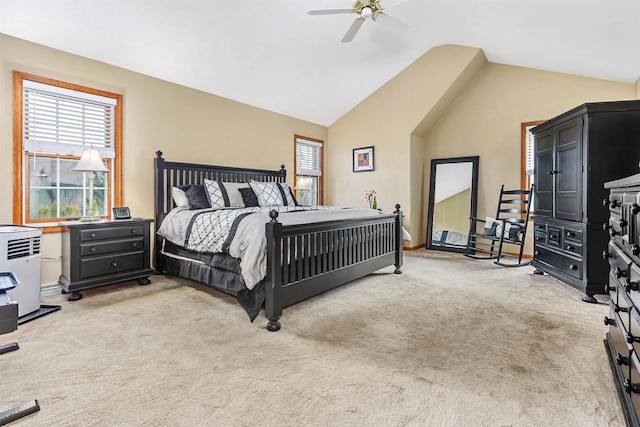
(170, 174)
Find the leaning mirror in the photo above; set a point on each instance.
(453, 194)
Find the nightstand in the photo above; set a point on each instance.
(104, 252)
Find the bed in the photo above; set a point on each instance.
(307, 251)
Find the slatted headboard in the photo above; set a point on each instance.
(171, 174)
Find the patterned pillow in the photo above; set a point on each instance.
(248, 197)
(197, 197)
(217, 194)
(268, 193)
(288, 195)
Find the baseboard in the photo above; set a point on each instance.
(52, 289)
(413, 248)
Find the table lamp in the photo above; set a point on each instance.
(90, 162)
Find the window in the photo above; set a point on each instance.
(54, 122)
(528, 160)
(308, 167)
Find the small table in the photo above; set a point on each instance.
(104, 252)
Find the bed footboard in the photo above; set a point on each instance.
(308, 259)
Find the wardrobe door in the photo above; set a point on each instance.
(568, 170)
(543, 179)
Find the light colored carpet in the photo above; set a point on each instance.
(450, 342)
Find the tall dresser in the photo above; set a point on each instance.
(623, 338)
(575, 154)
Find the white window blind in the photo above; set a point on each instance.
(308, 157)
(530, 164)
(65, 122)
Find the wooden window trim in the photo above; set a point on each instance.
(19, 181)
(523, 151)
(295, 168)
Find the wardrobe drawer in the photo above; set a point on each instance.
(574, 235)
(105, 265)
(554, 236)
(574, 248)
(109, 246)
(92, 234)
(562, 262)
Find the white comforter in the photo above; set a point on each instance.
(249, 243)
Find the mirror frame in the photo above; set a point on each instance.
(474, 160)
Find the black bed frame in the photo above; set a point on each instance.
(319, 256)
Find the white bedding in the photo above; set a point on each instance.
(249, 242)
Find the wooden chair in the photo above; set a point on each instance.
(488, 238)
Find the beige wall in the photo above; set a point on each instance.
(392, 120)
(452, 213)
(485, 120)
(187, 125)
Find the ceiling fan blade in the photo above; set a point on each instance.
(330, 11)
(353, 29)
(391, 22)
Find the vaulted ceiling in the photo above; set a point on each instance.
(273, 55)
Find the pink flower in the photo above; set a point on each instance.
(369, 195)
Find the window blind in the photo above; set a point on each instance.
(308, 157)
(65, 122)
(530, 163)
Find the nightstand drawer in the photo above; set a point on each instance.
(105, 247)
(560, 261)
(111, 232)
(103, 265)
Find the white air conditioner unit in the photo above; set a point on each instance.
(20, 254)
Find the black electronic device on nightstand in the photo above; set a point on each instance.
(121, 213)
(104, 252)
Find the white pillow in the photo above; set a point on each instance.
(179, 198)
(235, 197)
(268, 193)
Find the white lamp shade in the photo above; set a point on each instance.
(90, 162)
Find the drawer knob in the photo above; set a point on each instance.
(623, 223)
(134, 231)
(635, 209)
(93, 249)
(614, 233)
(612, 322)
(605, 202)
(633, 286)
(573, 267)
(620, 273)
(134, 244)
(606, 226)
(621, 360)
(630, 387)
(609, 288)
(606, 255)
(635, 249)
(114, 264)
(570, 248)
(631, 339)
(569, 234)
(93, 235)
(619, 309)
(537, 252)
(614, 204)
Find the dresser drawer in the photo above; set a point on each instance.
(108, 246)
(574, 235)
(621, 347)
(101, 233)
(632, 384)
(619, 264)
(633, 288)
(562, 262)
(574, 248)
(105, 265)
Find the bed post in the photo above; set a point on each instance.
(283, 174)
(158, 208)
(273, 285)
(398, 248)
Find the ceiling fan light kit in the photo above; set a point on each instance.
(366, 9)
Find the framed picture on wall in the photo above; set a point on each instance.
(363, 159)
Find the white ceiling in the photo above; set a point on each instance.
(273, 55)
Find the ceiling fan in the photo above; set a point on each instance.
(366, 9)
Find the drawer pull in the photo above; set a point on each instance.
(612, 322)
(605, 255)
(134, 231)
(630, 387)
(537, 252)
(622, 360)
(570, 248)
(614, 233)
(635, 209)
(609, 288)
(635, 249)
(569, 234)
(605, 202)
(619, 309)
(114, 264)
(92, 235)
(552, 237)
(619, 273)
(623, 223)
(134, 244)
(606, 226)
(614, 204)
(573, 267)
(93, 249)
(631, 339)
(633, 286)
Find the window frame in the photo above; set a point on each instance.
(295, 166)
(525, 180)
(20, 181)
